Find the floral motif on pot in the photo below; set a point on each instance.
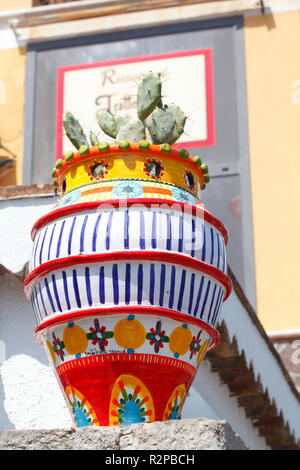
(58, 346)
(195, 344)
(157, 337)
(99, 335)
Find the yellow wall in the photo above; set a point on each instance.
(272, 48)
(12, 74)
(7, 5)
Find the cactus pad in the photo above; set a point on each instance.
(133, 131)
(108, 124)
(120, 122)
(148, 95)
(74, 130)
(180, 119)
(161, 124)
(93, 139)
(111, 124)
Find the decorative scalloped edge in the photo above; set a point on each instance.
(166, 150)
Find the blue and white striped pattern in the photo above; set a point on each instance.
(131, 228)
(135, 283)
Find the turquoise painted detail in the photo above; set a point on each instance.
(69, 199)
(182, 196)
(132, 414)
(80, 417)
(128, 189)
(174, 414)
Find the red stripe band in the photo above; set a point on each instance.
(141, 310)
(137, 358)
(160, 256)
(123, 203)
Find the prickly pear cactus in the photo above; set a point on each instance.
(162, 124)
(133, 131)
(108, 124)
(74, 130)
(158, 123)
(120, 121)
(180, 119)
(93, 139)
(148, 95)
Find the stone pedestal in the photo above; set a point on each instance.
(187, 434)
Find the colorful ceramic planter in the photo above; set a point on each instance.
(125, 368)
(127, 279)
(101, 227)
(158, 279)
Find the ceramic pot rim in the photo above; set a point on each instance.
(113, 149)
(121, 203)
(58, 319)
(163, 256)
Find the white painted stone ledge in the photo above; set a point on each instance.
(186, 434)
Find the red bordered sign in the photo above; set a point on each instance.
(87, 89)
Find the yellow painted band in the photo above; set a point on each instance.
(130, 166)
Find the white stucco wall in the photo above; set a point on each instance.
(17, 217)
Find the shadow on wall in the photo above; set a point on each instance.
(266, 19)
(29, 394)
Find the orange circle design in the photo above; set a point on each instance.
(180, 340)
(129, 333)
